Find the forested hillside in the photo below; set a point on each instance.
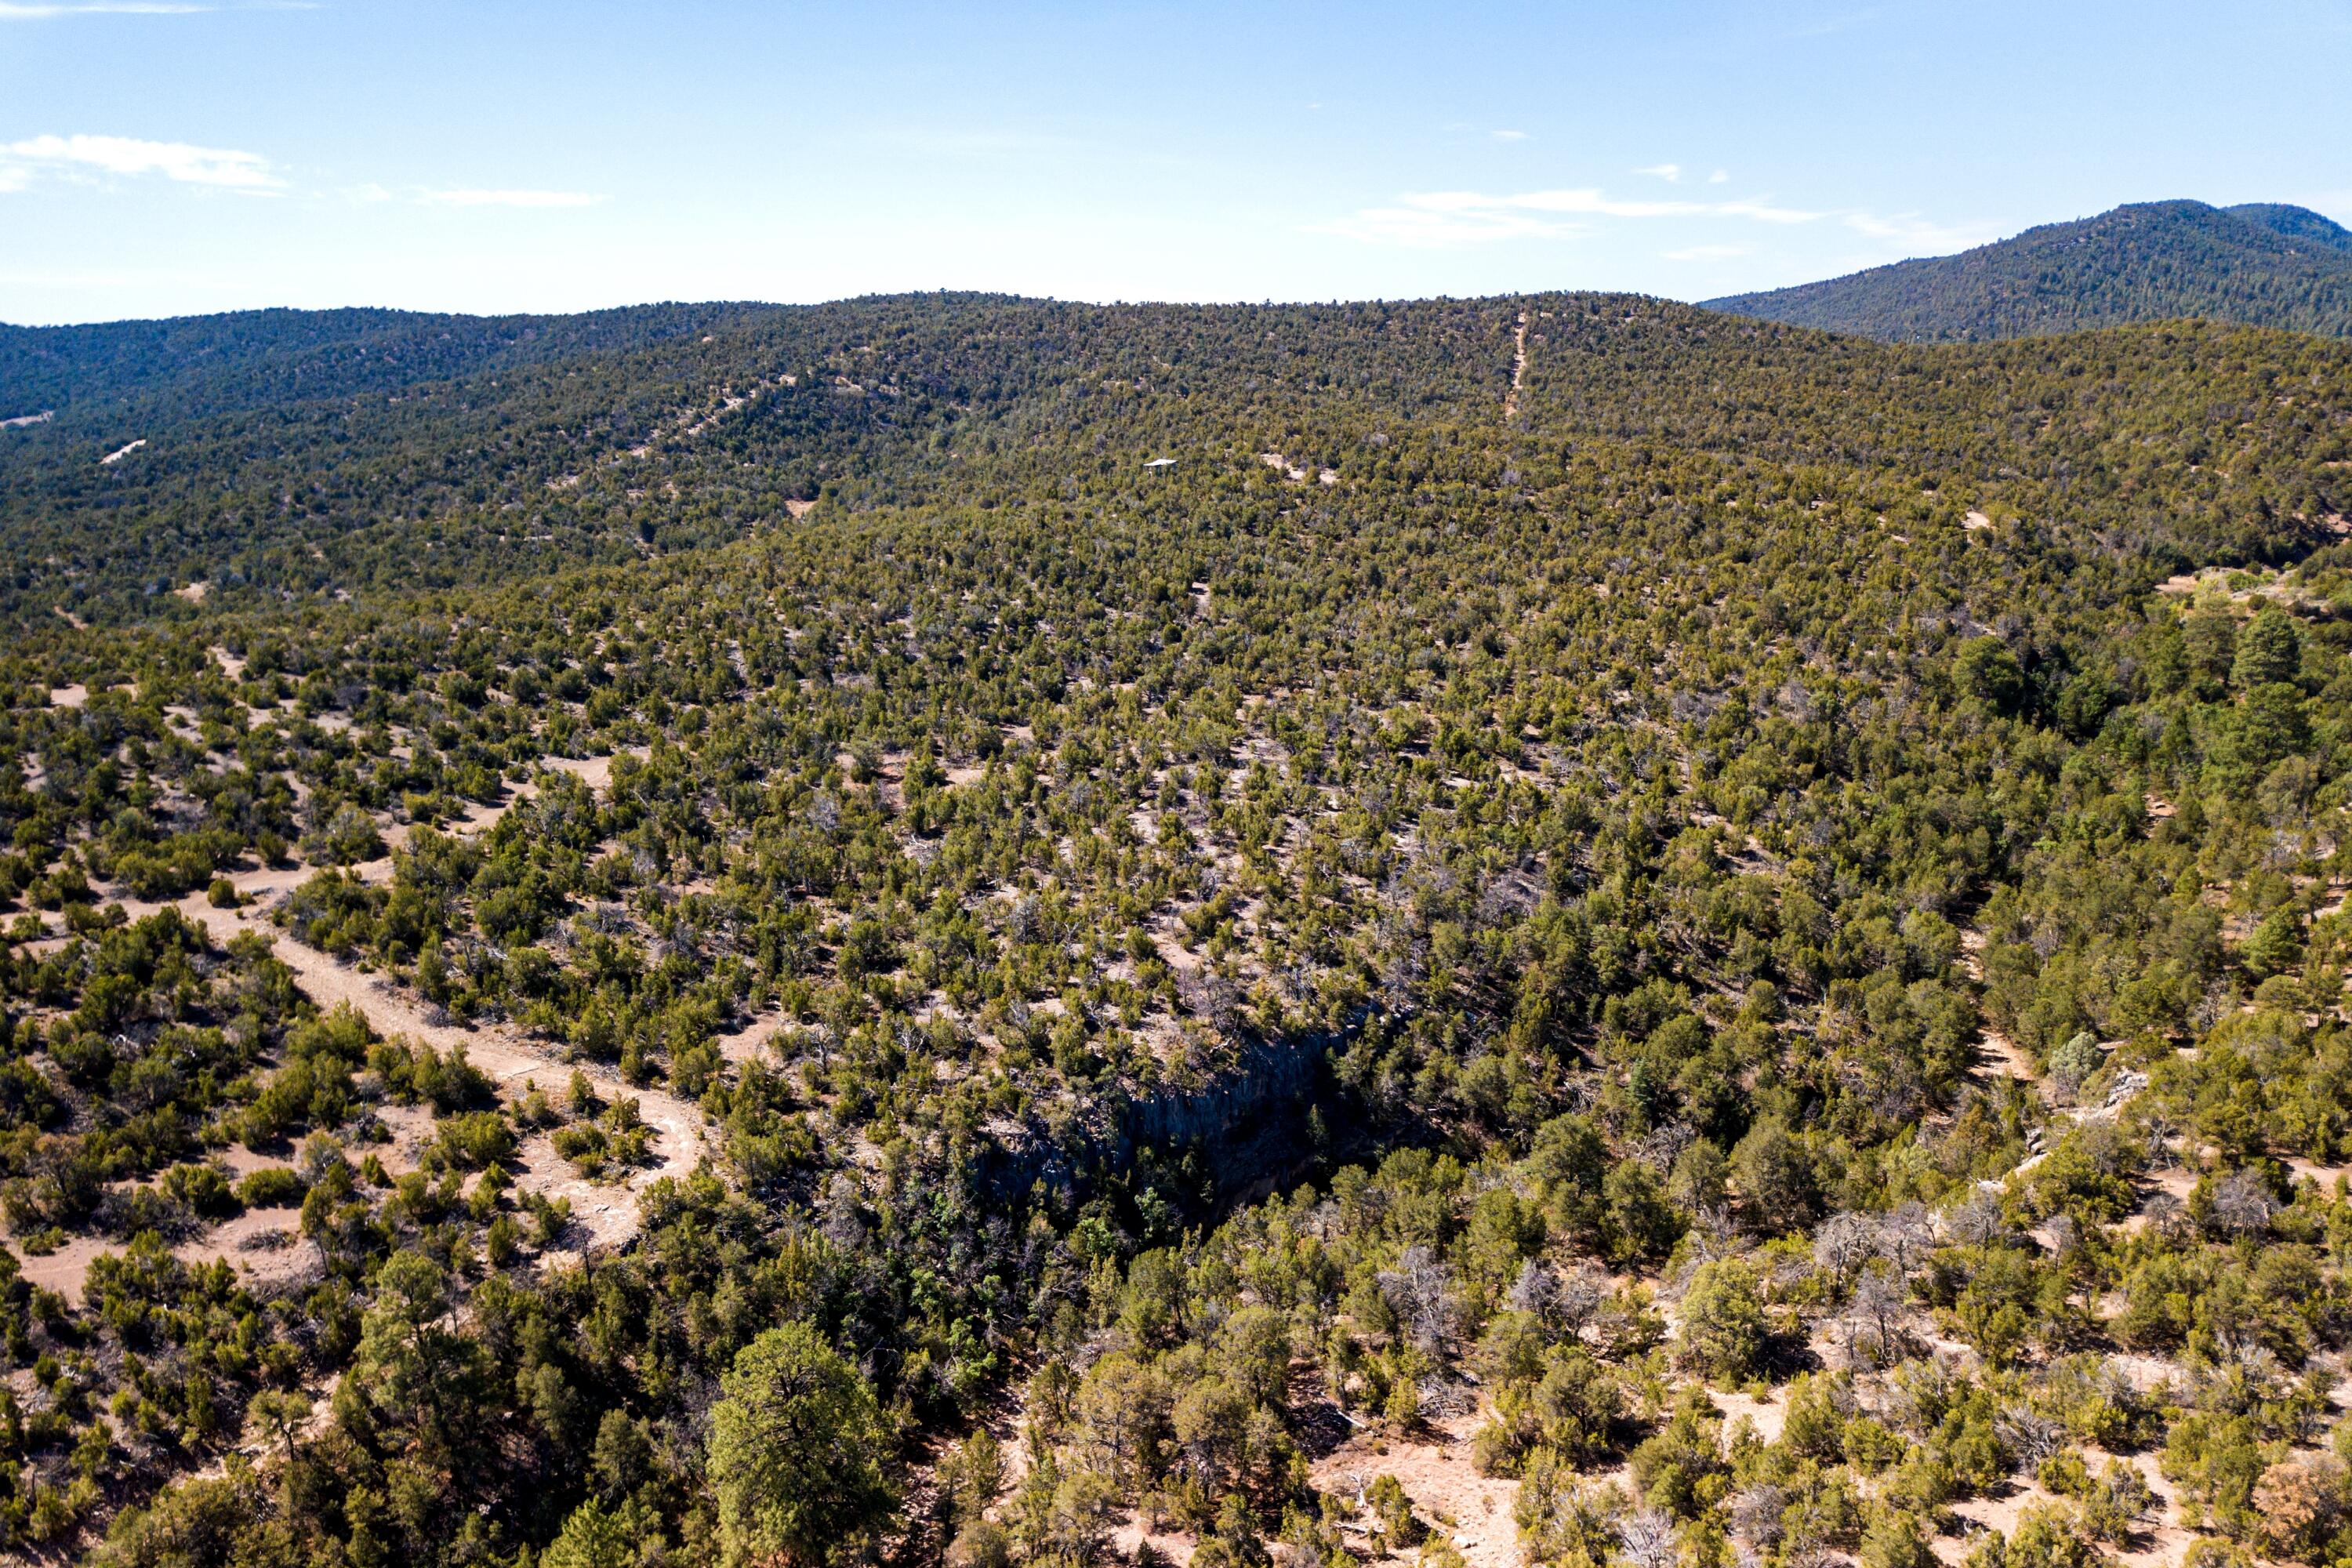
(951, 928)
(260, 358)
(2262, 265)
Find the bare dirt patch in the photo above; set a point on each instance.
(65, 1269)
(1999, 1056)
(1472, 1510)
(747, 1043)
(596, 773)
(1519, 367)
(1767, 1417)
(608, 1212)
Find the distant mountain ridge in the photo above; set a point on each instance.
(2261, 264)
(264, 358)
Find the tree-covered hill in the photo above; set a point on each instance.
(257, 359)
(2261, 264)
(698, 437)
(1563, 930)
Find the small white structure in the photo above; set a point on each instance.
(1160, 463)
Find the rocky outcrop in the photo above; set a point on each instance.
(1247, 1120)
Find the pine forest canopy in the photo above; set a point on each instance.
(2261, 264)
(1591, 929)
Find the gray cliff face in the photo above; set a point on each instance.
(1247, 1122)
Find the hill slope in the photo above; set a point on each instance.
(251, 359)
(1222, 924)
(2262, 263)
(318, 453)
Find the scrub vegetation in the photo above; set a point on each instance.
(750, 935)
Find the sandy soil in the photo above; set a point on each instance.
(2323, 1176)
(747, 1043)
(1472, 1510)
(2160, 1544)
(2165, 1542)
(65, 1269)
(1171, 951)
(1768, 1416)
(509, 1059)
(596, 773)
(2003, 1513)
(256, 1262)
(1129, 1537)
(248, 1243)
(606, 1212)
(1519, 367)
(1999, 1056)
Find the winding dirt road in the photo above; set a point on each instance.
(606, 1212)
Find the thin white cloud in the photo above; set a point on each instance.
(1430, 219)
(1510, 135)
(979, 142)
(1911, 230)
(1765, 212)
(480, 199)
(1588, 199)
(49, 10)
(1719, 177)
(1836, 23)
(127, 155)
(11, 11)
(1708, 252)
(1670, 173)
(1447, 218)
(1425, 223)
(1591, 200)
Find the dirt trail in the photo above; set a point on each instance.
(607, 1212)
(478, 818)
(604, 1213)
(746, 1044)
(1998, 1056)
(2166, 1541)
(1519, 367)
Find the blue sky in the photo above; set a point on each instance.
(161, 158)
